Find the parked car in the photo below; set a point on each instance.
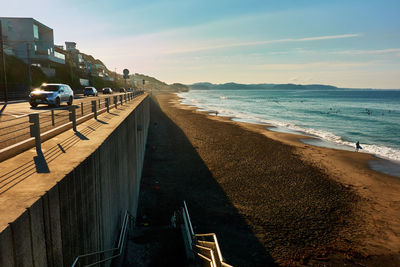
(122, 90)
(107, 90)
(52, 94)
(90, 91)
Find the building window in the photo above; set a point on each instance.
(35, 47)
(59, 55)
(35, 31)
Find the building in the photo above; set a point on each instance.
(31, 41)
(59, 52)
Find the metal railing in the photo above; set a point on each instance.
(208, 248)
(118, 250)
(17, 130)
(205, 246)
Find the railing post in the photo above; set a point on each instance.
(99, 104)
(72, 116)
(115, 101)
(53, 122)
(35, 130)
(120, 99)
(107, 104)
(94, 109)
(125, 97)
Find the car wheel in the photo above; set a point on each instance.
(33, 104)
(70, 101)
(57, 102)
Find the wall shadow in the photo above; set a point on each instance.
(81, 136)
(174, 171)
(40, 163)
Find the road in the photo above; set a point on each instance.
(14, 120)
(18, 109)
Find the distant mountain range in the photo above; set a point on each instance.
(266, 86)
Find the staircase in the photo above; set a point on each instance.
(202, 249)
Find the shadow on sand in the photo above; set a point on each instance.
(173, 172)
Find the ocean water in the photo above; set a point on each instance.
(339, 116)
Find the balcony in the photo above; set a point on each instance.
(43, 55)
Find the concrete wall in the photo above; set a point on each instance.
(84, 211)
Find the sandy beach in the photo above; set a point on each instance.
(270, 198)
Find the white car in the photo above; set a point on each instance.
(52, 94)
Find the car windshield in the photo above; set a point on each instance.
(89, 89)
(50, 88)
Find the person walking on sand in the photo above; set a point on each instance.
(358, 147)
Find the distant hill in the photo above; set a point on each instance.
(266, 86)
(157, 85)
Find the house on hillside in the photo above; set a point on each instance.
(59, 52)
(32, 42)
(74, 57)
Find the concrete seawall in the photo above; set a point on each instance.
(49, 218)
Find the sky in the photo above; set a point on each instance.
(346, 43)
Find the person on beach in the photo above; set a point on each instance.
(358, 147)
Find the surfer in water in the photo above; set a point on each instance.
(358, 147)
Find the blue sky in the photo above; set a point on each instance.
(349, 43)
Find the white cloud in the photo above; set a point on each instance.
(254, 43)
(368, 52)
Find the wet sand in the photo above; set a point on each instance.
(269, 197)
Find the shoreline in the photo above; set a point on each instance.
(378, 163)
(377, 233)
(328, 137)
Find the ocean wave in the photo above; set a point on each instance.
(380, 151)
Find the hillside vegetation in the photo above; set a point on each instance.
(157, 85)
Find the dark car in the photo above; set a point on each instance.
(52, 94)
(90, 91)
(107, 90)
(122, 90)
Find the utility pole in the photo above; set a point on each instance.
(3, 62)
(29, 65)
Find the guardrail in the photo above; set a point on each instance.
(119, 249)
(18, 132)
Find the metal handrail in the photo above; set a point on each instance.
(212, 261)
(193, 239)
(119, 248)
(188, 217)
(215, 240)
